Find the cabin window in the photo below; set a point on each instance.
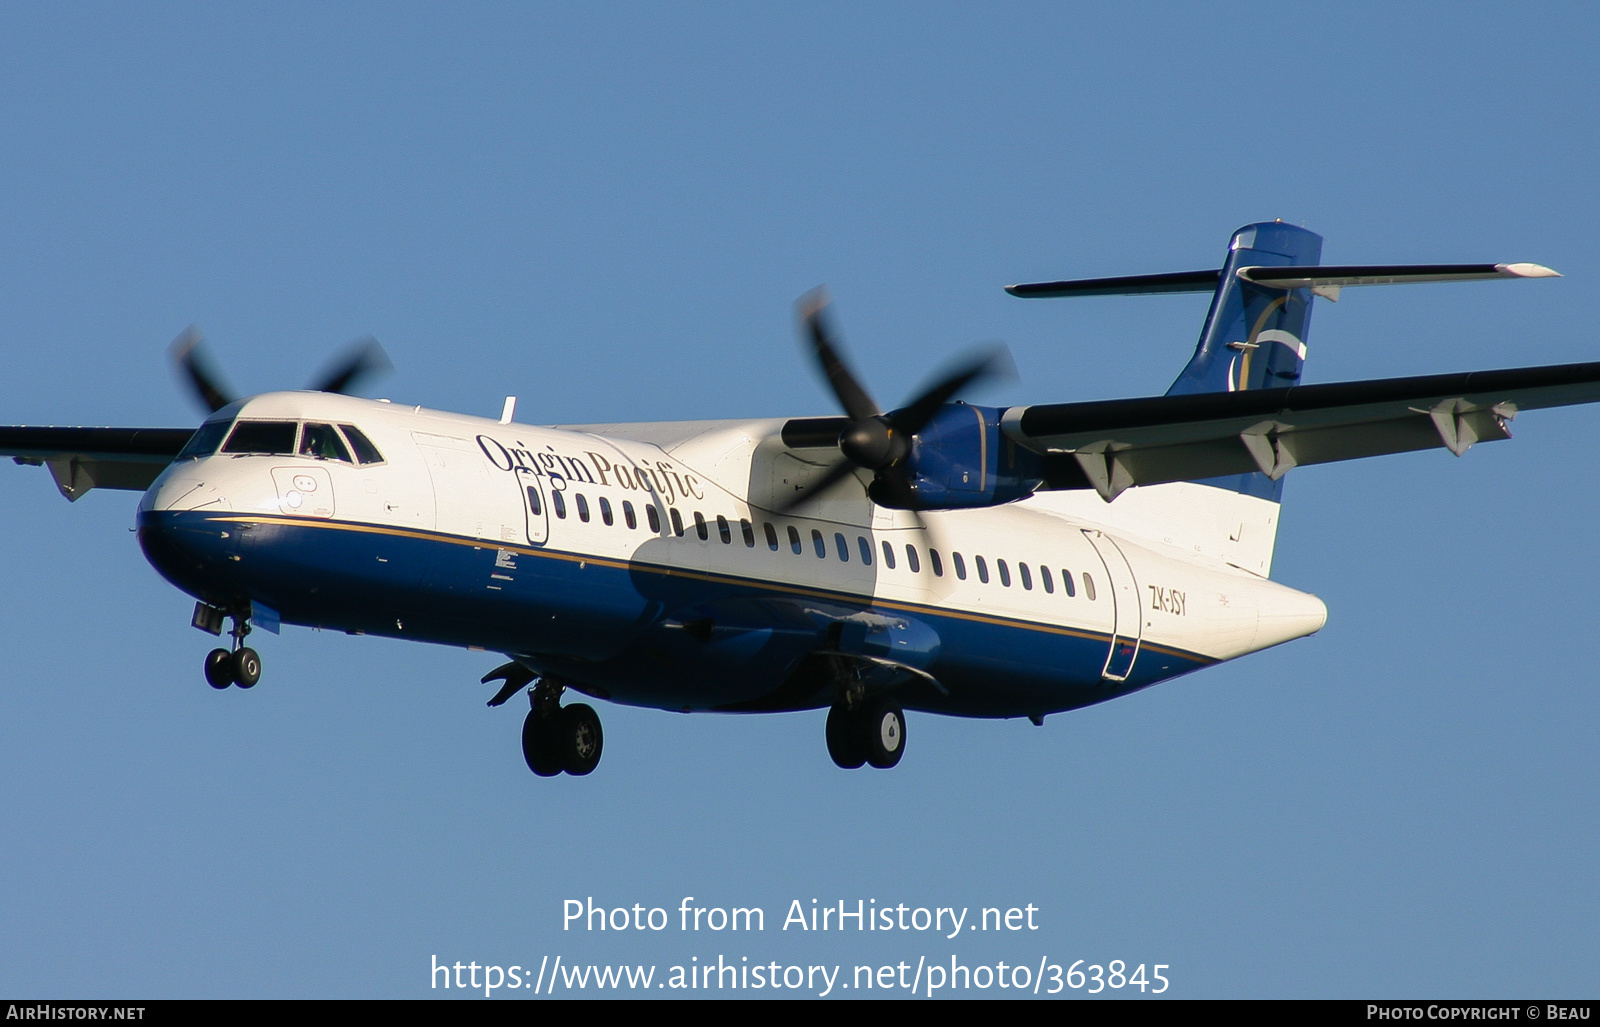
(533, 500)
(983, 569)
(844, 547)
(700, 526)
(912, 562)
(961, 565)
(267, 437)
(583, 508)
(1066, 583)
(772, 535)
(1027, 578)
(1046, 580)
(820, 546)
(677, 523)
(794, 540)
(627, 515)
(888, 555)
(1088, 587)
(204, 442)
(559, 502)
(749, 533)
(865, 548)
(723, 531)
(1005, 573)
(654, 516)
(936, 563)
(605, 511)
(365, 451)
(321, 442)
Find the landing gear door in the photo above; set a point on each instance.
(533, 504)
(1127, 614)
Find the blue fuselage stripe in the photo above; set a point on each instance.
(598, 621)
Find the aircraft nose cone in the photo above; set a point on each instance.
(191, 551)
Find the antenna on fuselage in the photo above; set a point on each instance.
(509, 410)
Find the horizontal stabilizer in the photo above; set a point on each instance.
(1127, 285)
(1325, 277)
(1322, 277)
(1121, 443)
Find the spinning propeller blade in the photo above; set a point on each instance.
(361, 359)
(189, 350)
(871, 439)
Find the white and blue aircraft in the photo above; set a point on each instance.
(943, 557)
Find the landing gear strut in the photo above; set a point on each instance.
(869, 731)
(558, 738)
(241, 666)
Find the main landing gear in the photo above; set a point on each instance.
(869, 731)
(558, 738)
(242, 665)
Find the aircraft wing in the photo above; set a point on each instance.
(1120, 443)
(81, 459)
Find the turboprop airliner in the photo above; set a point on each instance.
(940, 557)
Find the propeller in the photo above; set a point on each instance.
(361, 359)
(871, 439)
(189, 351)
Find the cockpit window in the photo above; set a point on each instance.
(323, 443)
(204, 442)
(272, 437)
(366, 452)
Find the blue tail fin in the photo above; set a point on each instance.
(1255, 336)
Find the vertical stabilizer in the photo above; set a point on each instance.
(1255, 335)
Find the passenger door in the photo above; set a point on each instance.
(1127, 614)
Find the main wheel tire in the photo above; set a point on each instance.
(246, 667)
(883, 733)
(219, 668)
(843, 742)
(540, 744)
(581, 739)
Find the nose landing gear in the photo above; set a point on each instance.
(242, 665)
(558, 738)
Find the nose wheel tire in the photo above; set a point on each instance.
(246, 667)
(219, 668)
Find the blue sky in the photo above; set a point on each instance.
(609, 213)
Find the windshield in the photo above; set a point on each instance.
(204, 442)
(262, 437)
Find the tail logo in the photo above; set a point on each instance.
(1260, 335)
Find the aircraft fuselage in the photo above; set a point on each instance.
(654, 573)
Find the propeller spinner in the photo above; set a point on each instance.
(874, 440)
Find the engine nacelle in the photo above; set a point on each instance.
(960, 460)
